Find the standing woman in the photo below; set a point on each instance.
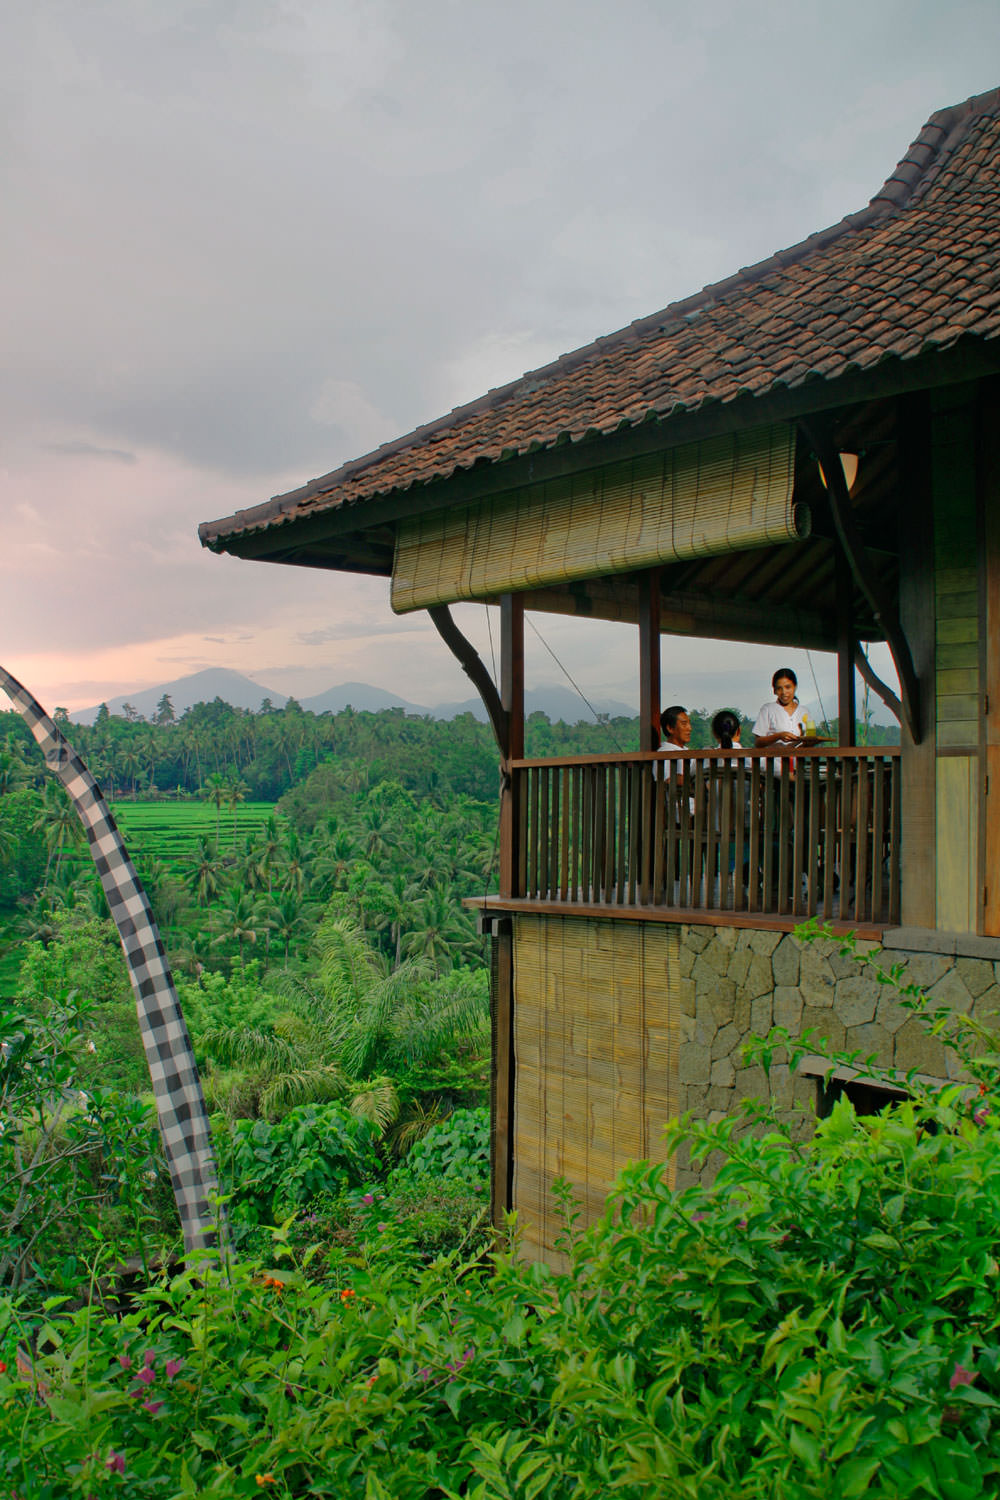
(780, 722)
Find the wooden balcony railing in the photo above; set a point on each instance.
(816, 833)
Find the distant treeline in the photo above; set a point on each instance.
(274, 749)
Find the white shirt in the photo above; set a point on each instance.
(773, 719)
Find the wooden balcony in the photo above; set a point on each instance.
(712, 833)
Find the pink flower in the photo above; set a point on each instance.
(981, 1115)
(125, 1360)
(147, 1375)
(381, 1228)
(368, 1199)
(961, 1376)
(149, 1358)
(152, 1406)
(115, 1462)
(172, 1367)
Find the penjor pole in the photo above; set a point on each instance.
(180, 1103)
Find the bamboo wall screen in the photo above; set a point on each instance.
(596, 1045)
(720, 495)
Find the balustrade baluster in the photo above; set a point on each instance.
(879, 767)
(862, 836)
(739, 834)
(660, 833)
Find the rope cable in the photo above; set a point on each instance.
(819, 695)
(493, 654)
(599, 718)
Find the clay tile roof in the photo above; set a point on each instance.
(916, 270)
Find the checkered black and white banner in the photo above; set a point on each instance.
(180, 1103)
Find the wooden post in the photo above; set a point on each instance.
(916, 611)
(512, 700)
(846, 705)
(649, 659)
(988, 477)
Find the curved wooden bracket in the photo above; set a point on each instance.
(886, 615)
(473, 667)
(874, 681)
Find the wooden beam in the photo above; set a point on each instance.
(700, 615)
(512, 700)
(988, 486)
(865, 575)
(504, 1066)
(502, 1078)
(649, 659)
(512, 670)
(874, 681)
(474, 668)
(918, 771)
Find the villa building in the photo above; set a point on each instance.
(806, 454)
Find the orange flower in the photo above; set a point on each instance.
(272, 1281)
(263, 1479)
(346, 1295)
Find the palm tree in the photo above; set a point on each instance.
(215, 790)
(206, 876)
(439, 930)
(238, 919)
(59, 823)
(364, 1021)
(285, 915)
(236, 792)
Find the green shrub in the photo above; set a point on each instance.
(272, 1169)
(76, 1166)
(822, 1321)
(458, 1148)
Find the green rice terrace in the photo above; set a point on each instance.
(173, 831)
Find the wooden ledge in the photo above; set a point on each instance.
(689, 915)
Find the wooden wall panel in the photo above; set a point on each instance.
(958, 685)
(596, 1039)
(958, 842)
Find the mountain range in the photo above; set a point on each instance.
(242, 692)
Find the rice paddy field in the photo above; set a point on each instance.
(171, 831)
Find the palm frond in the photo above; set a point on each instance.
(377, 1102)
(303, 1086)
(249, 1047)
(413, 1126)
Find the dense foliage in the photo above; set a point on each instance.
(822, 1320)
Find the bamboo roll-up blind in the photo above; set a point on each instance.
(721, 495)
(596, 1041)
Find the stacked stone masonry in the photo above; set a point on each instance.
(731, 983)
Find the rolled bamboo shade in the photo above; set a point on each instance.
(721, 495)
(596, 1020)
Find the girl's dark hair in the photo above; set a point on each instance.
(726, 727)
(783, 672)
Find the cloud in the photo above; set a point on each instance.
(91, 450)
(244, 242)
(348, 630)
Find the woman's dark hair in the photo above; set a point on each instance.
(726, 728)
(784, 672)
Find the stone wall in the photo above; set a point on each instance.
(732, 982)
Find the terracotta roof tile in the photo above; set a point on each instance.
(916, 270)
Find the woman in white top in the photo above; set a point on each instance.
(780, 722)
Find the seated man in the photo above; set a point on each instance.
(675, 726)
